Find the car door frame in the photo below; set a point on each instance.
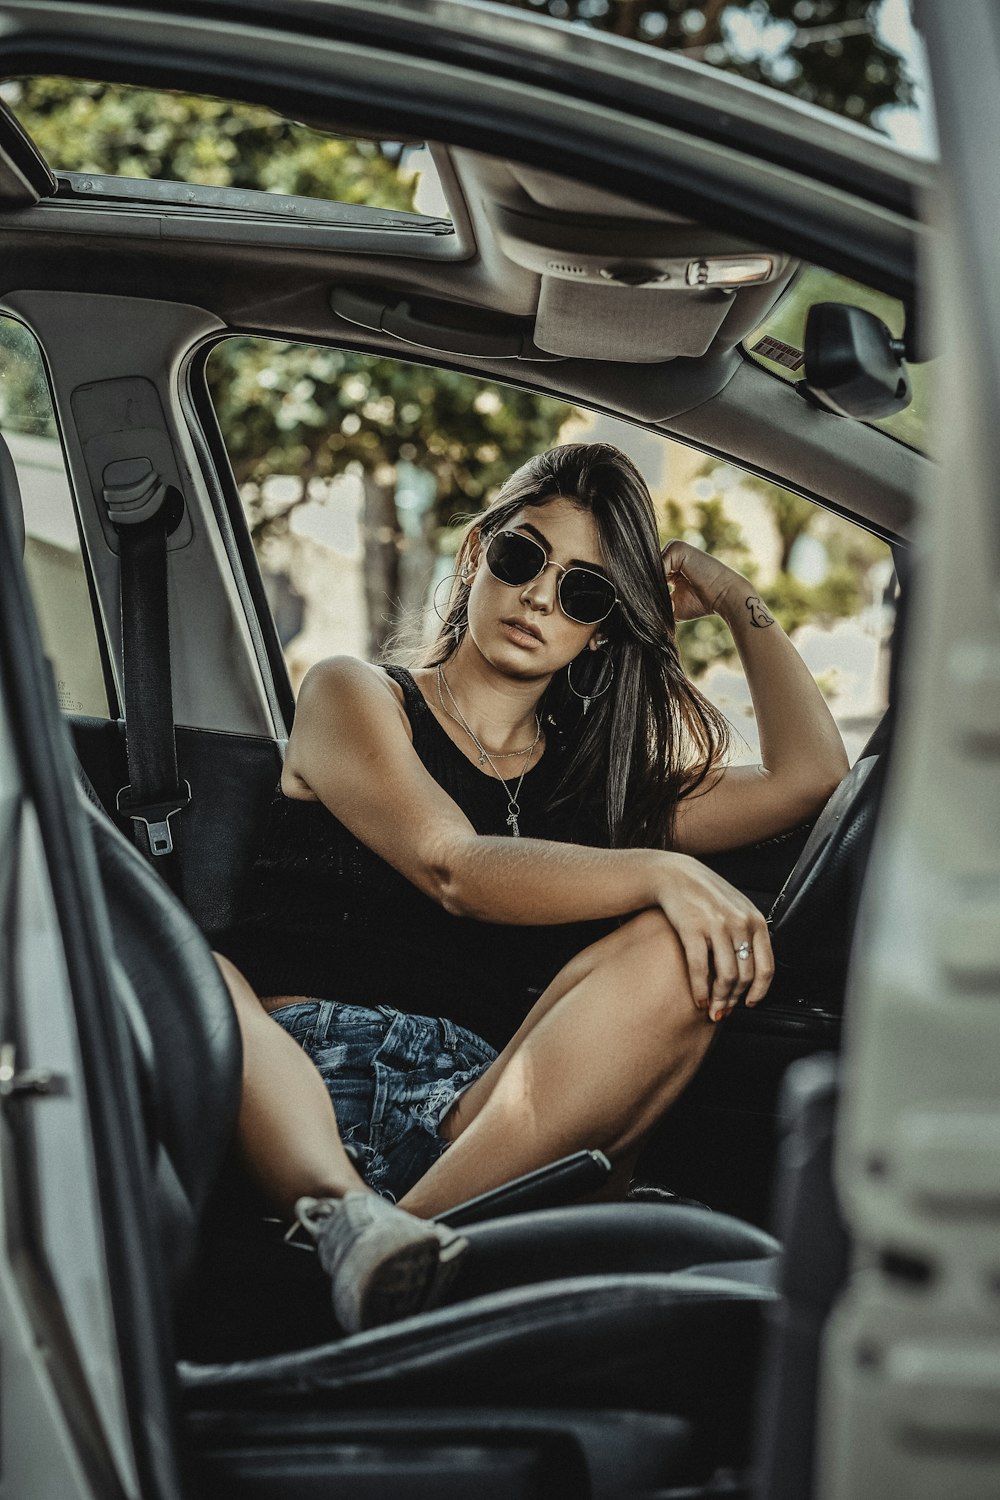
(912, 1359)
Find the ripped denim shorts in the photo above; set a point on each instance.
(392, 1078)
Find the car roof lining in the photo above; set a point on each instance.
(499, 259)
(722, 402)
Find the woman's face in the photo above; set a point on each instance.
(522, 628)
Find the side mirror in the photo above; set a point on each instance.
(853, 365)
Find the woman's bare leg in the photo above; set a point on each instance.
(287, 1128)
(606, 1049)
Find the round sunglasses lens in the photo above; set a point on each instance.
(514, 559)
(585, 596)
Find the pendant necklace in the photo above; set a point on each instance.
(484, 754)
(485, 758)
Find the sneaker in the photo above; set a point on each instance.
(384, 1263)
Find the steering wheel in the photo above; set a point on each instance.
(812, 919)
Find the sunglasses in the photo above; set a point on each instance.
(584, 596)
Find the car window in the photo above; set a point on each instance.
(52, 554)
(112, 140)
(355, 472)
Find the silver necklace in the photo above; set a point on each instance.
(513, 807)
(484, 754)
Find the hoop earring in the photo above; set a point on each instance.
(455, 626)
(605, 676)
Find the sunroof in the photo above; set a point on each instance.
(120, 131)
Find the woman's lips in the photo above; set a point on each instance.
(521, 635)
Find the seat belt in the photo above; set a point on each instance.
(144, 511)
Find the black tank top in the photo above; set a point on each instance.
(326, 917)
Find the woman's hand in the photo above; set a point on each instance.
(697, 581)
(724, 936)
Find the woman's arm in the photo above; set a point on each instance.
(802, 754)
(351, 749)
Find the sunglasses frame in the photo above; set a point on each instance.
(548, 562)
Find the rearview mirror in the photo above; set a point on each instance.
(853, 364)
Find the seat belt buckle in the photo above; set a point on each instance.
(155, 816)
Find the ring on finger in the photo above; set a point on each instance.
(743, 950)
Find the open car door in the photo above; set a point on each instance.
(912, 1388)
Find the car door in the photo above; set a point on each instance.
(912, 1375)
(84, 1397)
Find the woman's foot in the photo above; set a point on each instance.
(384, 1263)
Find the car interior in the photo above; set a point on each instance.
(643, 1348)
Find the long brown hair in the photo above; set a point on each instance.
(652, 738)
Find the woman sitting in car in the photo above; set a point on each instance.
(478, 924)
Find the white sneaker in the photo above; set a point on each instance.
(384, 1263)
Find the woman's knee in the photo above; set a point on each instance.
(649, 939)
(648, 963)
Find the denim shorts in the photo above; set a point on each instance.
(392, 1078)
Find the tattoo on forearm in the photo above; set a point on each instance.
(759, 613)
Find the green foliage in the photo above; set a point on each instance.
(84, 126)
(707, 524)
(704, 642)
(794, 603)
(712, 524)
(300, 409)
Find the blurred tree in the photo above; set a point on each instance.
(315, 412)
(827, 52)
(706, 523)
(850, 553)
(86, 126)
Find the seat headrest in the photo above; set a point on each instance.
(10, 492)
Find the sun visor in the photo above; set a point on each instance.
(638, 291)
(641, 326)
(624, 324)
